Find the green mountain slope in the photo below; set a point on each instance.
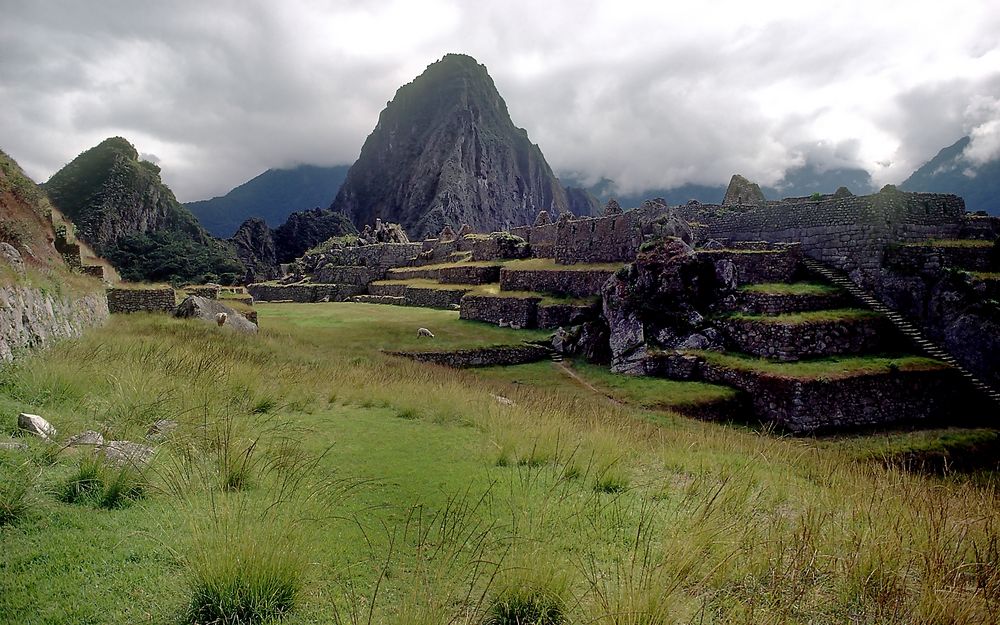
(125, 212)
(271, 196)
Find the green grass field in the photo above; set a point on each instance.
(313, 479)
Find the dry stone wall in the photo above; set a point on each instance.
(795, 341)
(806, 406)
(569, 282)
(303, 293)
(499, 355)
(121, 300)
(33, 319)
(759, 303)
(849, 232)
(469, 274)
(521, 311)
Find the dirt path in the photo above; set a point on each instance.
(561, 366)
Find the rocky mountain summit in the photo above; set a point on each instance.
(122, 208)
(445, 152)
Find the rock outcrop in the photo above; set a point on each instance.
(445, 152)
(256, 250)
(658, 302)
(743, 193)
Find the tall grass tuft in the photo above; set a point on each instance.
(98, 482)
(530, 591)
(16, 488)
(245, 564)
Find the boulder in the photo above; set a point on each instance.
(127, 453)
(194, 307)
(89, 437)
(35, 425)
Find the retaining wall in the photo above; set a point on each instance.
(521, 311)
(141, 300)
(433, 297)
(498, 355)
(795, 341)
(303, 293)
(569, 282)
(469, 274)
(757, 266)
(756, 302)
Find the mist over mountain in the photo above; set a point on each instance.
(951, 172)
(797, 182)
(271, 196)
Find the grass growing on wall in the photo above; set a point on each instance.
(381, 490)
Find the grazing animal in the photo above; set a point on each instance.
(221, 319)
(424, 332)
(504, 324)
(515, 326)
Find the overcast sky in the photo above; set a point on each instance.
(650, 94)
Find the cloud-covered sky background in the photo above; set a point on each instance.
(650, 94)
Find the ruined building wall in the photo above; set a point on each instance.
(850, 233)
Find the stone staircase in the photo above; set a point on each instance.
(905, 327)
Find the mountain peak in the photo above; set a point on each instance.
(445, 152)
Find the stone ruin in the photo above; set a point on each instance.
(682, 292)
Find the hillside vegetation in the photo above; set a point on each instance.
(314, 477)
(123, 210)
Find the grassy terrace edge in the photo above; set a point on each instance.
(792, 288)
(809, 317)
(821, 369)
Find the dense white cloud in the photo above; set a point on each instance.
(650, 94)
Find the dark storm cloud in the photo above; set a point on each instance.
(646, 94)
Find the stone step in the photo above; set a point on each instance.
(903, 325)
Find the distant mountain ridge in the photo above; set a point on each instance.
(445, 151)
(950, 172)
(271, 196)
(121, 207)
(797, 182)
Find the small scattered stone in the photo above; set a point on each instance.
(503, 401)
(89, 437)
(36, 425)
